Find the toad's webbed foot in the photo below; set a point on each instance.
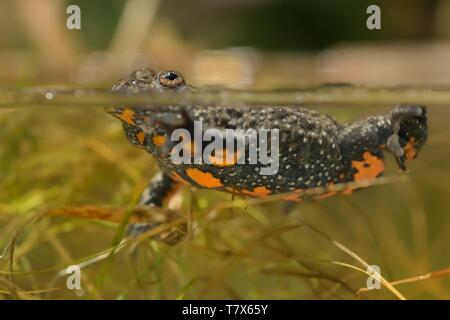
(409, 132)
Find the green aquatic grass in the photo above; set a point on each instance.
(243, 249)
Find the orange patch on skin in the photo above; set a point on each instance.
(140, 136)
(127, 116)
(369, 168)
(220, 159)
(175, 176)
(260, 192)
(159, 140)
(410, 150)
(205, 179)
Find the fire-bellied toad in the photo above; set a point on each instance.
(314, 150)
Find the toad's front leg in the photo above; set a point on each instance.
(409, 132)
(158, 192)
(403, 132)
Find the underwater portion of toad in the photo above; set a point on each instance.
(314, 150)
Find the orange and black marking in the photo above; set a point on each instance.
(140, 136)
(159, 140)
(410, 149)
(315, 151)
(260, 192)
(204, 179)
(370, 167)
(126, 115)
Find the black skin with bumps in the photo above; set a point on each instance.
(314, 151)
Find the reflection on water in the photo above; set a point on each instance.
(326, 94)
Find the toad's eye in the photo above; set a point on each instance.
(170, 79)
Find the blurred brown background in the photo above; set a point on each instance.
(253, 43)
